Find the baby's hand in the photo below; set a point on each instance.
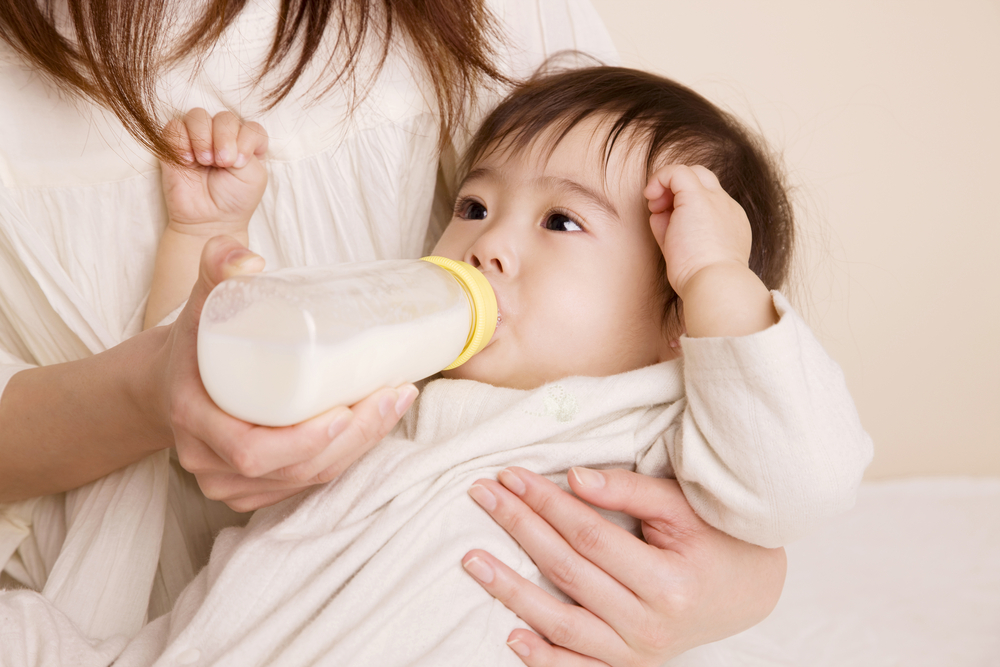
(706, 240)
(223, 180)
(695, 222)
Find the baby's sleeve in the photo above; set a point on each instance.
(770, 442)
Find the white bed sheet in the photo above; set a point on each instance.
(909, 577)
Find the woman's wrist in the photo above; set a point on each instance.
(146, 356)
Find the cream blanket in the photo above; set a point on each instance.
(366, 570)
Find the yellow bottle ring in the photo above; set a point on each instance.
(483, 302)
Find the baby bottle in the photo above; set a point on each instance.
(280, 347)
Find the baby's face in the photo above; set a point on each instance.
(570, 256)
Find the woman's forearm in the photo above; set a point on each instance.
(64, 425)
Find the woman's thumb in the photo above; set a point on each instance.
(222, 257)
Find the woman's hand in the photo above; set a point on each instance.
(641, 603)
(245, 465)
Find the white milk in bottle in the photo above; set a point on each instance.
(278, 348)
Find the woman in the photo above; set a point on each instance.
(87, 397)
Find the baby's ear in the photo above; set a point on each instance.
(671, 349)
(673, 329)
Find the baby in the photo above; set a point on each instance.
(632, 233)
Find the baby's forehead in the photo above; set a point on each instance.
(616, 168)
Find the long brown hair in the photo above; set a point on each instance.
(115, 53)
(673, 123)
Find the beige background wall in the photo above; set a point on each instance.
(888, 114)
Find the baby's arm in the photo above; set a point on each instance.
(705, 238)
(769, 443)
(215, 193)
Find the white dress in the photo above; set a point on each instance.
(80, 215)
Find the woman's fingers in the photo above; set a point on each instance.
(312, 452)
(659, 503)
(624, 582)
(593, 539)
(221, 450)
(565, 625)
(557, 558)
(373, 418)
(234, 489)
(249, 466)
(703, 572)
(536, 652)
(258, 451)
(691, 584)
(256, 501)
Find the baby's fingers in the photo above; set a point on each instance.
(198, 125)
(660, 198)
(225, 130)
(669, 181)
(176, 134)
(252, 141)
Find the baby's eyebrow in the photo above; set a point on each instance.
(597, 198)
(479, 174)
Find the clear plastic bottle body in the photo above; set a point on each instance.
(278, 348)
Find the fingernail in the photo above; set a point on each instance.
(406, 397)
(512, 482)
(187, 158)
(205, 158)
(221, 155)
(243, 258)
(339, 423)
(587, 477)
(519, 647)
(479, 569)
(387, 402)
(483, 496)
(241, 161)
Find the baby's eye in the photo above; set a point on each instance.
(559, 222)
(470, 209)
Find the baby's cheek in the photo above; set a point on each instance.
(450, 243)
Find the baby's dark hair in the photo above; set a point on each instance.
(676, 125)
